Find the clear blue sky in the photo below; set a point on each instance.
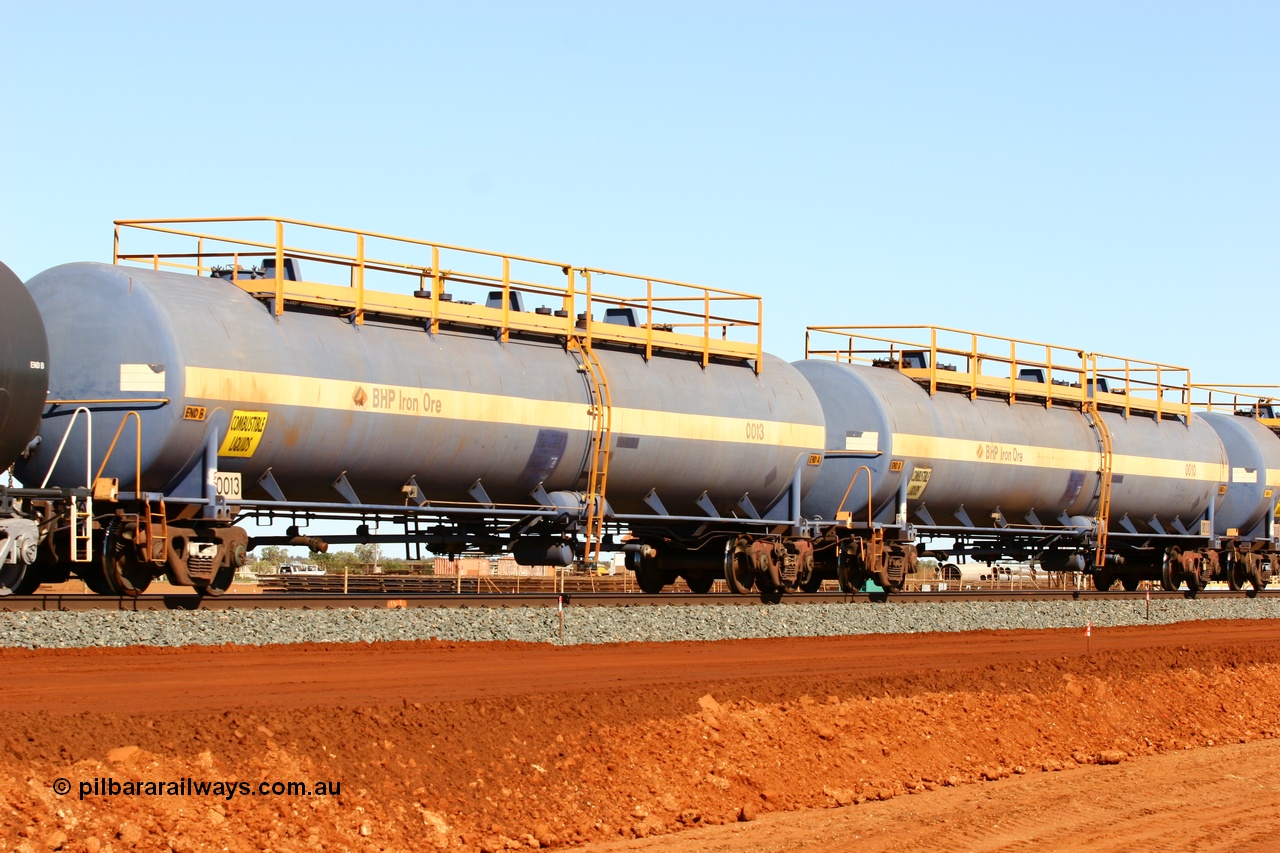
(1096, 174)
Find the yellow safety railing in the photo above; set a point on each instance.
(1260, 401)
(947, 359)
(352, 270)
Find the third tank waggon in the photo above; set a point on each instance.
(1011, 449)
(1245, 518)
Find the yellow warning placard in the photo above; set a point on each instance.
(916, 485)
(244, 433)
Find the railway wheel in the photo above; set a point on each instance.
(1103, 581)
(845, 577)
(220, 583)
(124, 572)
(849, 569)
(1193, 576)
(13, 578)
(648, 570)
(30, 583)
(95, 577)
(700, 583)
(1255, 574)
(739, 573)
(41, 573)
(1130, 584)
(1170, 573)
(649, 576)
(94, 573)
(1237, 574)
(812, 582)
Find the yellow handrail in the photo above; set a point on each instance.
(1013, 368)
(137, 462)
(870, 509)
(1105, 479)
(602, 430)
(672, 314)
(1213, 397)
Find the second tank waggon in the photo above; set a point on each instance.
(1004, 449)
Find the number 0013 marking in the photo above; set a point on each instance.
(228, 485)
(755, 431)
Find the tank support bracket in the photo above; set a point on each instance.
(539, 494)
(268, 482)
(651, 500)
(482, 497)
(343, 487)
(413, 492)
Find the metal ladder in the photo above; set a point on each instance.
(1104, 482)
(598, 474)
(157, 520)
(81, 529)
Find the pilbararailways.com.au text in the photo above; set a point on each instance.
(105, 786)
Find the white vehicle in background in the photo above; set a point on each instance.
(299, 569)
(970, 574)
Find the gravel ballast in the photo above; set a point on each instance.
(587, 624)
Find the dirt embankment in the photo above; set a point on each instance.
(610, 759)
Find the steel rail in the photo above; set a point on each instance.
(330, 601)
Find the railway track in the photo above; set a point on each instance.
(331, 601)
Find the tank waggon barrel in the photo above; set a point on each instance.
(543, 429)
(1244, 418)
(1022, 450)
(24, 381)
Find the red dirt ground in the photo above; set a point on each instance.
(1157, 738)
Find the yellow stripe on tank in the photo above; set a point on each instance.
(1033, 456)
(249, 388)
